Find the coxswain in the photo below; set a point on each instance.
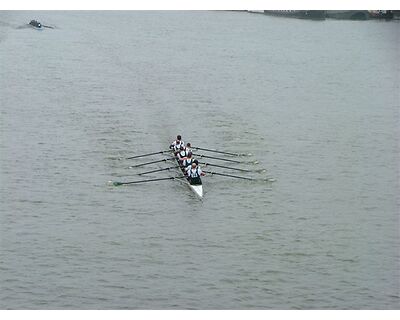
(176, 144)
(188, 160)
(194, 173)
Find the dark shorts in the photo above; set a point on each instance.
(195, 181)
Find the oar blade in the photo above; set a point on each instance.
(260, 170)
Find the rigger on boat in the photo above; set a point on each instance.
(183, 157)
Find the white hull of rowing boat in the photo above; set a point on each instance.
(197, 189)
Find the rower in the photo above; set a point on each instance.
(176, 144)
(188, 160)
(194, 173)
(181, 155)
(188, 147)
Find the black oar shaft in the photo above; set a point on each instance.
(146, 155)
(157, 170)
(216, 158)
(228, 175)
(216, 151)
(142, 181)
(225, 167)
(146, 163)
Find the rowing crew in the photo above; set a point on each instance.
(179, 147)
(188, 164)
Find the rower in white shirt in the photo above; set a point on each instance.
(194, 173)
(176, 144)
(188, 160)
(181, 154)
(188, 147)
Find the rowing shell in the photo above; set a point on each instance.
(197, 189)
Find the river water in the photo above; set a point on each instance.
(315, 102)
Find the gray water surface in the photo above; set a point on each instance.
(316, 103)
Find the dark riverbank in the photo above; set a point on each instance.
(332, 14)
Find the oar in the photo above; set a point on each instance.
(47, 26)
(157, 170)
(237, 169)
(116, 183)
(228, 175)
(223, 152)
(146, 163)
(228, 160)
(238, 177)
(146, 155)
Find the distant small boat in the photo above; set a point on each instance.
(36, 25)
